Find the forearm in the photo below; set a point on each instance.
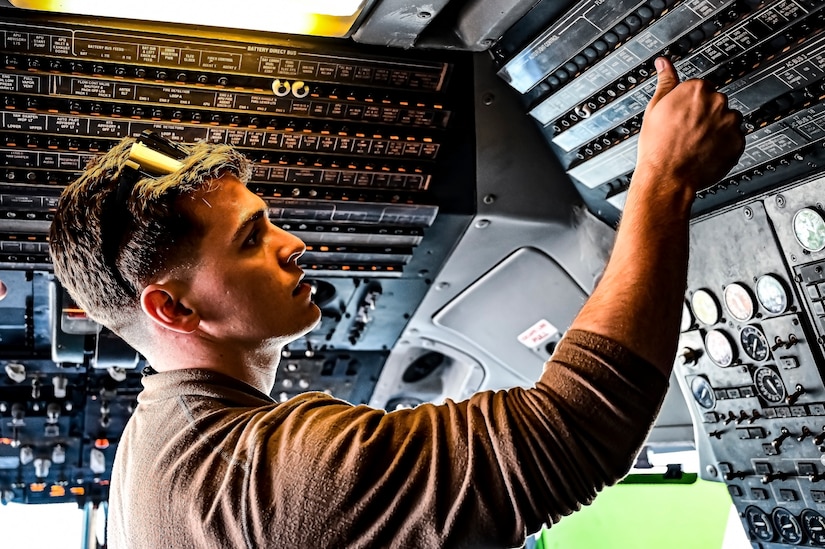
(689, 139)
(638, 301)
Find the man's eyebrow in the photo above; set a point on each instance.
(250, 220)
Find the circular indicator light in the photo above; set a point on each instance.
(739, 302)
(705, 307)
(719, 348)
(809, 229)
(771, 294)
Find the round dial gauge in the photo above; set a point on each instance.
(809, 229)
(787, 526)
(769, 385)
(687, 318)
(703, 392)
(813, 524)
(754, 343)
(739, 302)
(705, 307)
(759, 522)
(771, 294)
(719, 347)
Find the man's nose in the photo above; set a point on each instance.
(290, 247)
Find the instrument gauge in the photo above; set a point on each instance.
(788, 528)
(702, 392)
(813, 524)
(769, 385)
(705, 307)
(719, 348)
(809, 229)
(760, 523)
(687, 318)
(754, 343)
(771, 294)
(739, 302)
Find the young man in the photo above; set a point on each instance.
(188, 269)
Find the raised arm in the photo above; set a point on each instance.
(689, 140)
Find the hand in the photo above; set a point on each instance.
(689, 136)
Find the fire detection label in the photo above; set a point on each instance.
(537, 334)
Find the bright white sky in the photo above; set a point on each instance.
(47, 526)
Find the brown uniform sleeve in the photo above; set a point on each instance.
(484, 472)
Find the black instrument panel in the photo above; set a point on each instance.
(750, 360)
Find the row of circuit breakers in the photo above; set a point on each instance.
(345, 146)
(587, 79)
(340, 144)
(751, 356)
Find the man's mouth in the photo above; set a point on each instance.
(300, 287)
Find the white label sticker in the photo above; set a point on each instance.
(537, 334)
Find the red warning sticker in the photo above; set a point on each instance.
(537, 334)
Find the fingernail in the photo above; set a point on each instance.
(660, 64)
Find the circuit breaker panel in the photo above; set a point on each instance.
(589, 95)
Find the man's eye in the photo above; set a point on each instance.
(252, 239)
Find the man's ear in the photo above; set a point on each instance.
(162, 303)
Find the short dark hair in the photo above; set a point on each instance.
(156, 239)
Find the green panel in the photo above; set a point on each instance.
(647, 516)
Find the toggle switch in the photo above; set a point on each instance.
(59, 383)
(777, 442)
(59, 454)
(731, 475)
(26, 455)
(767, 478)
(799, 390)
(41, 467)
(779, 342)
(689, 356)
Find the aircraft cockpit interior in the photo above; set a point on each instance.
(457, 169)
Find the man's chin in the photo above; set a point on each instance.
(316, 322)
(313, 322)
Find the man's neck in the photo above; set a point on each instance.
(256, 367)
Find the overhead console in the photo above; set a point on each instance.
(589, 94)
